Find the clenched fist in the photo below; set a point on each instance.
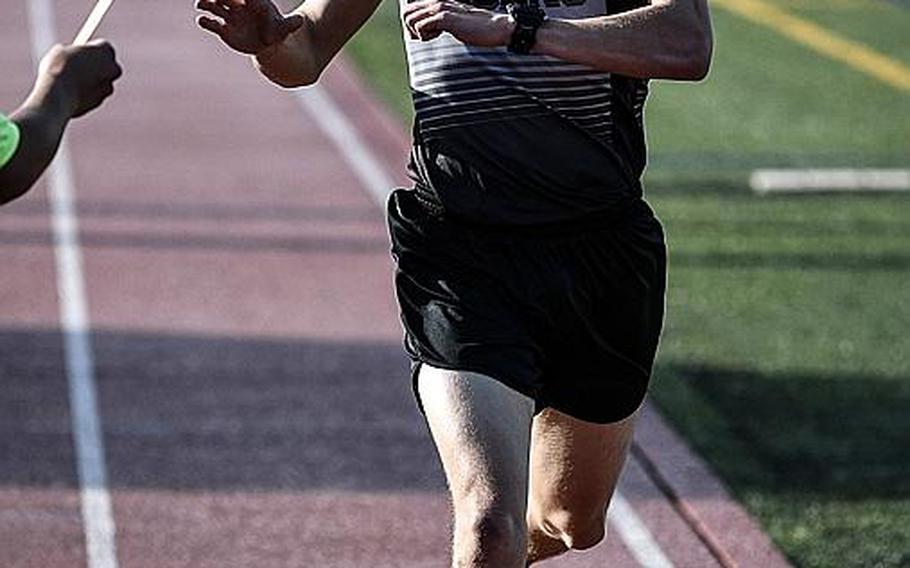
(78, 77)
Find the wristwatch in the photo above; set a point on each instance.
(528, 18)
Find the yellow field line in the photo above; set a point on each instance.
(815, 37)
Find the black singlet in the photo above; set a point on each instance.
(511, 139)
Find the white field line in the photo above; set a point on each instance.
(829, 180)
(376, 179)
(97, 517)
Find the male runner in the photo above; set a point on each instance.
(530, 272)
(72, 81)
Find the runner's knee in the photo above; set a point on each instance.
(576, 531)
(497, 536)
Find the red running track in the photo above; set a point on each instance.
(252, 390)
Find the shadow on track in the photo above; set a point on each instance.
(186, 413)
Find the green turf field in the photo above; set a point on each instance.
(786, 357)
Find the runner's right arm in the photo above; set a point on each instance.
(291, 50)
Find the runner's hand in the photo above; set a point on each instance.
(247, 26)
(77, 78)
(428, 19)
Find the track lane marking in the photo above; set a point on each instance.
(97, 516)
(849, 52)
(635, 534)
(371, 172)
(332, 121)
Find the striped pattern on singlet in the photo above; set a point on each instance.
(455, 85)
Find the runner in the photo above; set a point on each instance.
(72, 81)
(530, 272)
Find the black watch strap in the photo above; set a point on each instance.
(528, 18)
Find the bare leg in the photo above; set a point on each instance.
(574, 468)
(482, 431)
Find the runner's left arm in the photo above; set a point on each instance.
(668, 39)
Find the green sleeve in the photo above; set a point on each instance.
(9, 139)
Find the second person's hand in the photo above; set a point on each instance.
(78, 77)
(247, 26)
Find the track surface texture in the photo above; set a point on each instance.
(253, 396)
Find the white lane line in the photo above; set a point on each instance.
(825, 180)
(97, 516)
(635, 535)
(376, 179)
(363, 162)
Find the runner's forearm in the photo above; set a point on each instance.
(293, 62)
(670, 39)
(301, 58)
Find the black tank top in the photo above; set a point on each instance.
(524, 139)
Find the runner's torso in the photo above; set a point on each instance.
(511, 139)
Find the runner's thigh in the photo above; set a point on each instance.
(482, 431)
(574, 468)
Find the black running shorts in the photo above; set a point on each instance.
(568, 314)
